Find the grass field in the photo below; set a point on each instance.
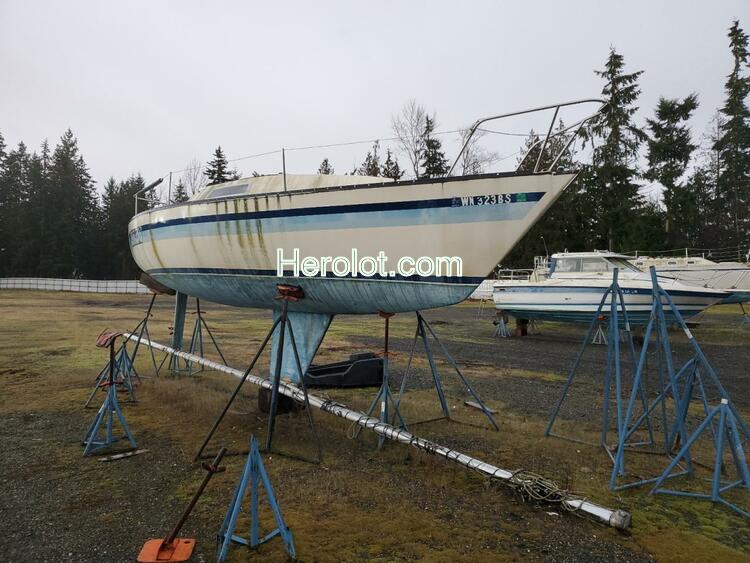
(360, 503)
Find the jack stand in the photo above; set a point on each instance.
(679, 385)
(501, 329)
(286, 294)
(142, 330)
(613, 368)
(384, 395)
(745, 317)
(253, 472)
(196, 340)
(124, 362)
(423, 327)
(123, 371)
(600, 337)
(173, 548)
(109, 408)
(727, 433)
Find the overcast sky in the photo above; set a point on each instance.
(148, 86)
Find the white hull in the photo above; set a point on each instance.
(225, 250)
(733, 277)
(575, 297)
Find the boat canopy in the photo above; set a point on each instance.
(275, 183)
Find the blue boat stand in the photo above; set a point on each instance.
(727, 434)
(253, 473)
(109, 409)
(423, 331)
(177, 365)
(615, 333)
(283, 323)
(125, 362)
(384, 397)
(678, 387)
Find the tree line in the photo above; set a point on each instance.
(54, 223)
(705, 200)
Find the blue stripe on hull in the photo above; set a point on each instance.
(600, 290)
(255, 224)
(450, 202)
(322, 295)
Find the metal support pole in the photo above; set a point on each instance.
(619, 519)
(236, 391)
(277, 376)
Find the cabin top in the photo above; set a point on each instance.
(589, 262)
(275, 183)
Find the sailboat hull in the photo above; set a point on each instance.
(226, 250)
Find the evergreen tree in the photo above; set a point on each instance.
(568, 222)
(73, 213)
(390, 168)
(616, 142)
(733, 146)
(117, 210)
(434, 163)
(371, 165)
(13, 196)
(180, 193)
(703, 182)
(217, 170)
(669, 150)
(4, 211)
(325, 167)
(33, 215)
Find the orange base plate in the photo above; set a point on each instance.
(156, 551)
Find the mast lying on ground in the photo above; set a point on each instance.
(527, 483)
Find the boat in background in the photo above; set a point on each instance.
(571, 288)
(733, 277)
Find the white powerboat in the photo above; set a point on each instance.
(733, 277)
(572, 288)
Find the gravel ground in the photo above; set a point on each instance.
(361, 505)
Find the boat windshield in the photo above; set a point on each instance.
(622, 264)
(592, 264)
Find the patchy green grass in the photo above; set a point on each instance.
(360, 504)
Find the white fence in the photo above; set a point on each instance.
(87, 286)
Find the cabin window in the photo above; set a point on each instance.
(227, 191)
(564, 265)
(594, 265)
